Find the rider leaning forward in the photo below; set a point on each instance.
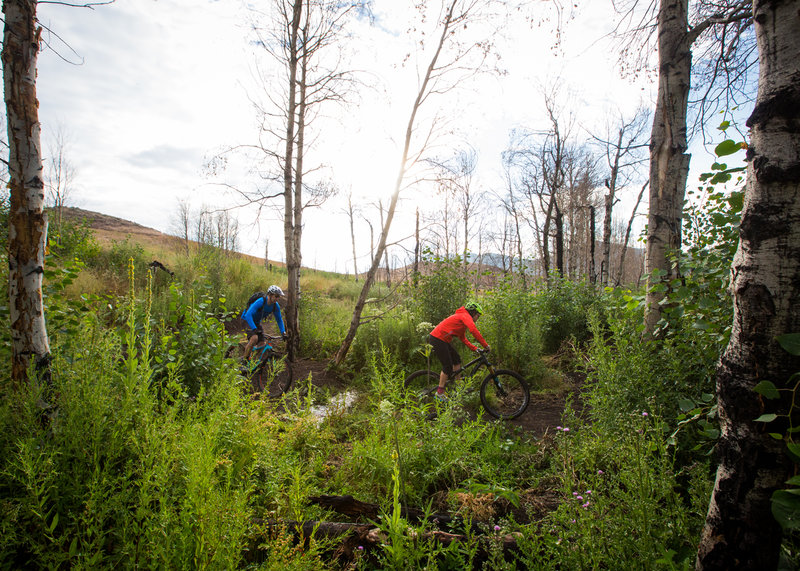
(455, 326)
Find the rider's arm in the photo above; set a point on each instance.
(475, 333)
(276, 311)
(252, 311)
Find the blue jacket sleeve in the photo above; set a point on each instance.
(276, 311)
(252, 311)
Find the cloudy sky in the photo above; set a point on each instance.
(145, 91)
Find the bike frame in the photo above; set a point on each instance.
(263, 354)
(480, 361)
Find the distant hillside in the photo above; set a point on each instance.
(109, 229)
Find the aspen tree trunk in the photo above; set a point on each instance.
(416, 251)
(27, 232)
(626, 239)
(669, 162)
(290, 208)
(294, 263)
(740, 531)
(369, 278)
(592, 230)
(351, 215)
(610, 200)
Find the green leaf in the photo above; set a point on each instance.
(767, 389)
(686, 405)
(794, 481)
(766, 417)
(790, 342)
(786, 509)
(727, 147)
(724, 125)
(794, 451)
(54, 523)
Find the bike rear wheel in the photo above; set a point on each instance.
(505, 394)
(422, 385)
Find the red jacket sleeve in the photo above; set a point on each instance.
(468, 321)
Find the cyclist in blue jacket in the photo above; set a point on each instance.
(258, 310)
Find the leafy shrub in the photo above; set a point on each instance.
(512, 324)
(621, 504)
(75, 240)
(399, 330)
(564, 307)
(442, 291)
(191, 341)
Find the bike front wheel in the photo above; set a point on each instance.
(505, 394)
(273, 379)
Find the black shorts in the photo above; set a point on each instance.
(445, 352)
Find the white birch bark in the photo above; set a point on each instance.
(740, 531)
(27, 233)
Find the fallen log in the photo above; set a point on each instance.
(368, 536)
(348, 505)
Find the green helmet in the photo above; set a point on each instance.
(474, 306)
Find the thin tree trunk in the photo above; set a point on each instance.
(559, 224)
(341, 353)
(294, 269)
(27, 233)
(592, 269)
(609, 199)
(621, 272)
(416, 251)
(352, 234)
(740, 530)
(669, 161)
(292, 264)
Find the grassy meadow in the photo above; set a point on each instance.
(146, 450)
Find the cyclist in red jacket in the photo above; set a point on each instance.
(455, 326)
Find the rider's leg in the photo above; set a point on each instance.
(251, 342)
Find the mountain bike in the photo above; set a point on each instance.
(266, 369)
(504, 393)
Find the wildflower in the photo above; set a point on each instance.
(579, 498)
(497, 528)
(600, 472)
(361, 548)
(585, 506)
(566, 429)
(644, 414)
(588, 492)
(559, 428)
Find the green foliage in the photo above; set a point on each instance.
(785, 502)
(97, 484)
(627, 373)
(399, 330)
(75, 240)
(323, 321)
(443, 290)
(675, 370)
(191, 342)
(622, 506)
(513, 326)
(564, 306)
